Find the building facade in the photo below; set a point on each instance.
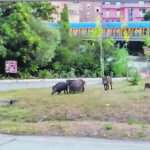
(89, 11)
(129, 11)
(73, 8)
(107, 11)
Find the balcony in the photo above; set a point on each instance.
(139, 15)
(111, 16)
(111, 6)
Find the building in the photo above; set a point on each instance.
(74, 15)
(89, 11)
(124, 11)
(107, 11)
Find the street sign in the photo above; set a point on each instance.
(11, 66)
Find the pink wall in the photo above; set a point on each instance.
(87, 14)
(124, 12)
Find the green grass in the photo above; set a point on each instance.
(39, 112)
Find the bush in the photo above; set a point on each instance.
(71, 73)
(44, 74)
(25, 75)
(108, 127)
(134, 80)
(89, 73)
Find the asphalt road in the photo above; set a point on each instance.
(66, 143)
(6, 85)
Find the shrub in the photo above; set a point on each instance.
(135, 78)
(89, 73)
(44, 74)
(24, 75)
(71, 73)
(108, 127)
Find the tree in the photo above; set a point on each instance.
(97, 36)
(25, 39)
(147, 16)
(49, 39)
(42, 10)
(120, 62)
(64, 25)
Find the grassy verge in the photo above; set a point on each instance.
(123, 112)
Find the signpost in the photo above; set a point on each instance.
(11, 66)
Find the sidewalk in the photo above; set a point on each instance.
(12, 142)
(58, 80)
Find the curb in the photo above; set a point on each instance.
(54, 80)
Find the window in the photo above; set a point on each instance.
(88, 6)
(107, 3)
(130, 14)
(72, 11)
(81, 8)
(97, 9)
(118, 12)
(108, 13)
(141, 2)
(142, 11)
(118, 3)
(87, 14)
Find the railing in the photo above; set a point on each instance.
(134, 34)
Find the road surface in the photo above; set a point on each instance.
(6, 85)
(66, 143)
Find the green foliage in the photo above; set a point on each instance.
(42, 10)
(71, 73)
(132, 121)
(3, 51)
(108, 47)
(126, 35)
(108, 127)
(50, 38)
(89, 73)
(97, 32)
(135, 78)
(119, 65)
(147, 16)
(24, 74)
(141, 134)
(146, 39)
(25, 39)
(44, 74)
(64, 25)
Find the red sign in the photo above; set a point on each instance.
(11, 66)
